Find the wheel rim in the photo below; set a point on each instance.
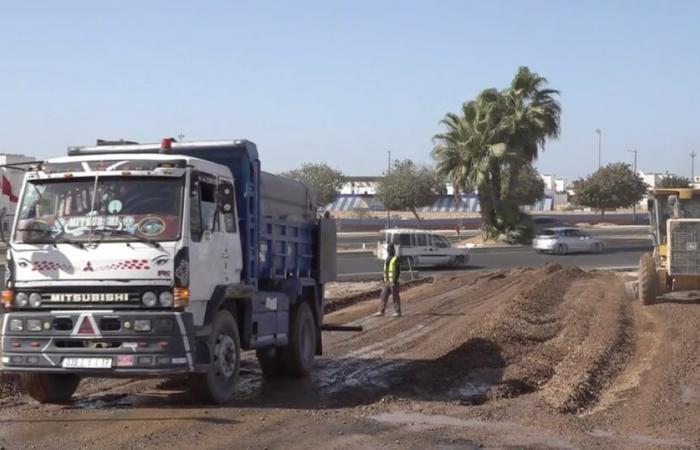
(307, 342)
(225, 357)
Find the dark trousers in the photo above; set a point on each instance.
(393, 289)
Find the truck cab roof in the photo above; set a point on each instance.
(199, 164)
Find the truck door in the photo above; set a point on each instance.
(213, 257)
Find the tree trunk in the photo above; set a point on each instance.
(496, 193)
(415, 213)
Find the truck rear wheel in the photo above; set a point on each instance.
(50, 387)
(218, 383)
(647, 279)
(298, 355)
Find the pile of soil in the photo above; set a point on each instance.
(563, 334)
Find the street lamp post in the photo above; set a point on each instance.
(600, 147)
(634, 209)
(692, 167)
(388, 169)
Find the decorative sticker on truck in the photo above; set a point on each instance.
(127, 264)
(98, 228)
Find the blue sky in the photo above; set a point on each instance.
(343, 82)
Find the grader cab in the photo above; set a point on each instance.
(673, 269)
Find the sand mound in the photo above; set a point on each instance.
(563, 336)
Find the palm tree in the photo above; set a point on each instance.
(498, 132)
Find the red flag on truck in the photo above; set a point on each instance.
(7, 189)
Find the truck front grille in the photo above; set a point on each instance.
(684, 247)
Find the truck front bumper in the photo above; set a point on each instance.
(98, 343)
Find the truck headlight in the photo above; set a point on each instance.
(21, 299)
(149, 299)
(166, 299)
(16, 325)
(34, 300)
(34, 324)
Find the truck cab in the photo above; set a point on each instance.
(146, 259)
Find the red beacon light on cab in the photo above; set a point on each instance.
(166, 144)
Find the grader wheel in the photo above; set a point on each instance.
(647, 279)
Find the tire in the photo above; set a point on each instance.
(298, 356)
(50, 387)
(561, 249)
(597, 248)
(647, 279)
(271, 362)
(218, 383)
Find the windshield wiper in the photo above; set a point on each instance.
(54, 240)
(61, 240)
(120, 232)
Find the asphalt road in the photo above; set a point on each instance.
(370, 239)
(623, 254)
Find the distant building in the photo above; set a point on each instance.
(360, 185)
(652, 179)
(554, 184)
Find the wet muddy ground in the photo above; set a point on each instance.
(547, 357)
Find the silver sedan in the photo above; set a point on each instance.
(562, 240)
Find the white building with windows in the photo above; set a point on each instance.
(360, 185)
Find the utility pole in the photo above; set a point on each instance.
(388, 169)
(634, 207)
(180, 137)
(692, 167)
(600, 147)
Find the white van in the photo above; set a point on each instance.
(420, 248)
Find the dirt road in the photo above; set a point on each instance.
(547, 357)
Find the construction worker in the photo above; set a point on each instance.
(392, 270)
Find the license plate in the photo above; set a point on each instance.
(86, 363)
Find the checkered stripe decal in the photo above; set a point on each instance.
(129, 264)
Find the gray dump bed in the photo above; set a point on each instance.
(286, 199)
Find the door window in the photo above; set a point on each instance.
(203, 211)
(207, 193)
(440, 241)
(195, 212)
(405, 240)
(421, 240)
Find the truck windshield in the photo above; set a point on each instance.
(124, 209)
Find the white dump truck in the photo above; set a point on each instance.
(137, 260)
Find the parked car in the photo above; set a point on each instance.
(562, 240)
(419, 248)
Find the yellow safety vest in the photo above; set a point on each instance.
(390, 269)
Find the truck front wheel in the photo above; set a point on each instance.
(218, 383)
(50, 387)
(299, 354)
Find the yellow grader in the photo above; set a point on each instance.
(673, 269)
